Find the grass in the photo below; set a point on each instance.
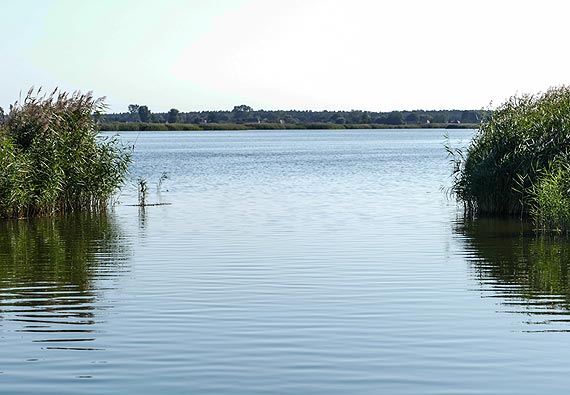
(516, 163)
(52, 159)
(551, 198)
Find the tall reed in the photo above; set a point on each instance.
(518, 145)
(52, 159)
(551, 199)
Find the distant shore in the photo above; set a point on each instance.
(142, 126)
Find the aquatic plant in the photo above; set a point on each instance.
(551, 199)
(143, 191)
(163, 177)
(516, 151)
(52, 159)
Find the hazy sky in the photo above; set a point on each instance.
(285, 54)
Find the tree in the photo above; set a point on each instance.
(173, 115)
(394, 118)
(212, 117)
(144, 114)
(412, 118)
(440, 117)
(354, 116)
(241, 112)
(338, 118)
(469, 117)
(134, 113)
(242, 108)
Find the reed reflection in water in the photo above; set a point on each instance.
(53, 277)
(530, 274)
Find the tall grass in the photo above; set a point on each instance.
(551, 199)
(52, 159)
(505, 170)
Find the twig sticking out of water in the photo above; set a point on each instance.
(143, 189)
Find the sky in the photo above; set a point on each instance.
(373, 55)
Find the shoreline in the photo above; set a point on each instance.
(141, 126)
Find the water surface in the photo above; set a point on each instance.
(288, 262)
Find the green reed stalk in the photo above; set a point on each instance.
(52, 159)
(515, 151)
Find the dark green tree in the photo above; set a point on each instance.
(440, 117)
(394, 118)
(241, 113)
(134, 113)
(144, 114)
(212, 117)
(469, 117)
(354, 116)
(173, 115)
(412, 118)
(339, 120)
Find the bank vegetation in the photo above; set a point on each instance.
(52, 158)
(518, 163)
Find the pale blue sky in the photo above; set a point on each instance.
(285, 54)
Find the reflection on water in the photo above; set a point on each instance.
(290, 262)
(47, 272)
(530, 274)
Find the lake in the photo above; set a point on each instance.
(285, 262)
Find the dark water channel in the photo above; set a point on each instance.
(288, 262)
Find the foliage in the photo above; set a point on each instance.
(551, 199)
(144, 114)
(134, 113)
(173, 115)
(246, 114)
(139, 126)
(513, 152)
(52, 160)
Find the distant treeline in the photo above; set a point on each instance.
(139, 117)
(147, 126)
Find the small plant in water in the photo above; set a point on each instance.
(143, 190)
(163, 177)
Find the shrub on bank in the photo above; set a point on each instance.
(52, 159)
(517, 161)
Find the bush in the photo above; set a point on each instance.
(514, 151)
(52, 160)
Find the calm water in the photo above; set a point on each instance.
(288, 262)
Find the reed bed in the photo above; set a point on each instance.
(517, 164)
(52, 159)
